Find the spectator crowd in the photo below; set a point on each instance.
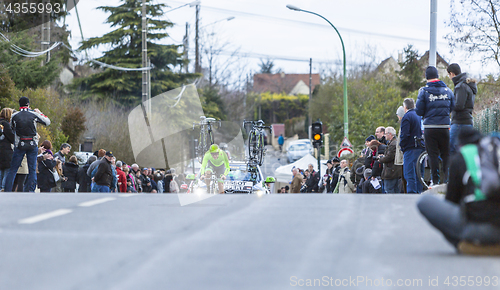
(388, 163)
(25, 166)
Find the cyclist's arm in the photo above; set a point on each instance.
(226, 163)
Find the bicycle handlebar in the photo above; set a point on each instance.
(257, 124)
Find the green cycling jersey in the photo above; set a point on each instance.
(221, 160)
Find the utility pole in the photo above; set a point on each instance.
(310, 95)
(186, 47)
(197, 67)
(433, 32)
(45, 33)
(144, 55)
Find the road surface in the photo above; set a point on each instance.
(148, 241)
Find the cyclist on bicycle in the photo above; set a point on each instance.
(217, 159)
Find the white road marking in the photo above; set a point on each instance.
(96, 201)
(45, 216)
(127, 195)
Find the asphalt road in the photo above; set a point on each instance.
(111, 241)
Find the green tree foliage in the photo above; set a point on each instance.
(6, 86)
(211, 103)
(277, 108)
(126, 40)
(28, 73)
(266, 67)
(411, 74)
(372, 103)
(51, 105)
(13, 22)
(73, 125)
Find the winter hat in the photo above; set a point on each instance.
(91, 159)
(454, 68)
(336, 159)
(370, 138)
(400, 112)
(468, 135)
(24, 102)
(368, 173)
(360, 170)
(431, 73)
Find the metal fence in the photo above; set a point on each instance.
(487, 120)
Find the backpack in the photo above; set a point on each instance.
(483, 168)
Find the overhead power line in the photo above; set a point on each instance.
(348, 30)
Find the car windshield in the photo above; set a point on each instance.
(239, 173)
(298, 147)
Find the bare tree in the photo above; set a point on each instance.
(476, 28)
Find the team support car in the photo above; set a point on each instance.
(240, 180)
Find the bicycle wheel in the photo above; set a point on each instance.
(210, 135)
(423, 170)
(202, 146)
(260, 149)
(251, 145)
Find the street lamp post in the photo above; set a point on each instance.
(225, 19)
(346, 118)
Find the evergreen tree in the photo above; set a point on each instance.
(411, 73)
(211, 102)
(14, 17)
(26, 72)
(122, 86)
(266, 67)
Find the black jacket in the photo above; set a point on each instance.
(312, 182)
(144, 183)
(83, 179)
(410, 128)
(6, 139)
(104, 174)
(435, 103)
(355, 177)
(486, 211)
(45, 178)
(465, 94)
(335, 177)
(24, 123)
(70, 171)
(367, 187)
(390, 170)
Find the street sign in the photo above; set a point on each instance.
(345, 151)
(345, 143)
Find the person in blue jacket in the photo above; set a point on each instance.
(411, 147)
(435, 103)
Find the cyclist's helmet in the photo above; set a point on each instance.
(191, 176)
(223, 146)
(270, 179)
(208, 169)
(214, 148)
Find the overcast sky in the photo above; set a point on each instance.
(371, 30)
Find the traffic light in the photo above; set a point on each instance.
(317, 133)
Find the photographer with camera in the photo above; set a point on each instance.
(23, 124)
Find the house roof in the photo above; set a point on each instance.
(281, 82)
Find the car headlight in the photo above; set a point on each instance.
(259, 192)
(199, 191)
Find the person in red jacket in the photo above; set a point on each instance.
(122, 177)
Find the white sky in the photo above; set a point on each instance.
(371, 29)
